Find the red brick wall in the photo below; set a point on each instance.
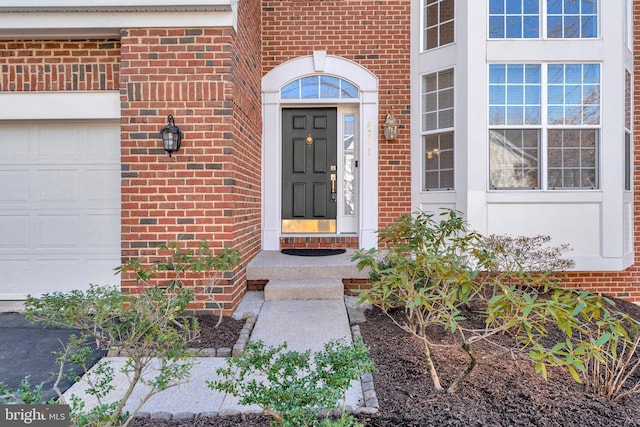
(59, 65)
(210, 189)
(373, 33)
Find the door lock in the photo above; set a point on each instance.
(333, 196)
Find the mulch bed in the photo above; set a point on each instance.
(501, 391)
(224, 335)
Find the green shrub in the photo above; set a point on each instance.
(434, 270)
(295, 387)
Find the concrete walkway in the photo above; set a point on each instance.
(303, 324)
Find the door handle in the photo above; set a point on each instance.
(333, 196)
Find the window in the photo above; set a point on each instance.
(514, 19)
(522, 127)
(437, 130)
(438, 19)
(572, 19)
(522, 19)
(319, 87)
(627, 130)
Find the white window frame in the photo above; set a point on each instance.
(543, 27)
(544, 127)
(423, 26)
(438, 130)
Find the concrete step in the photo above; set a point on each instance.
(272, 265)
(303, 289)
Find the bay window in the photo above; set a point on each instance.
(544, 126)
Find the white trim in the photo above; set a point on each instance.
(367, 83)
(76, 19)
(59, 105)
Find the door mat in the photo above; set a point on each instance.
(313, 252)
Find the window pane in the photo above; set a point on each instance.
(438, 100)
(512, 166)
(572, 18)
(446, 33)
(438, 23)
(291, 91)
(531, 28)
(348, 90)
(310, 87)
(314, 87)
(496, 27)
(571, 97)
(572, 158)
(627, 161)
(521, 96)
(329, 87)
(496, 6)
(438, 161)
(514, 27)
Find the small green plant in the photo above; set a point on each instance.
(144, 329)
(25, 393)
(295, 387)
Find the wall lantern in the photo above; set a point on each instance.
(171, 136)
(391, 127)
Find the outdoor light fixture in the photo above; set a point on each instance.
(171, 136)
(391, 127)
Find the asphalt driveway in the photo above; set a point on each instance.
(29, 349)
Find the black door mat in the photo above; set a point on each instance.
(313, 252)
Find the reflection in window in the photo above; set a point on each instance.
(513, 155)
(437, 129)
(514, 94)
(514, 19)
(572, 158)
(349, 176)
(438, 23)
(574, 94)
(572, 19)
(519, 133)
(319, 87)
(438, 163)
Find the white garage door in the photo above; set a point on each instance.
(59, 206)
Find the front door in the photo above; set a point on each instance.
(309, 170)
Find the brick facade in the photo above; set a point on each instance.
(51, 66)
(210, 189)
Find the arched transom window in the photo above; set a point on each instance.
(319, 87)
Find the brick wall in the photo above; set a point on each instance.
(59, 65)
(373, 33)
(210, 189)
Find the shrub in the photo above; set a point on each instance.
(435, 270)
(143, 329)
(294, 387)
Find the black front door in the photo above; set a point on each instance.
(309, 173)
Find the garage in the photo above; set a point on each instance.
(59, 205)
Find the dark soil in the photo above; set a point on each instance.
(224, 335)
(501, 391)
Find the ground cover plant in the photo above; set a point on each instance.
(295, 387)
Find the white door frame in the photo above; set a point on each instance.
(272, 104)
